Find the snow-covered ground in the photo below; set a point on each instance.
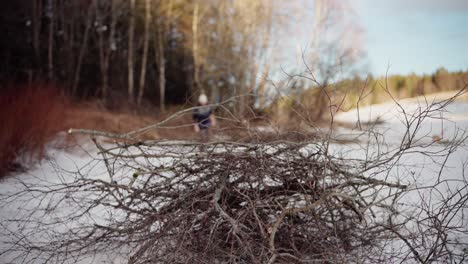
(22, 198)
(435, 167)
(426, 165)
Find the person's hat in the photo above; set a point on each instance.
(203, 99)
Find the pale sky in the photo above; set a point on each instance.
(414, 35)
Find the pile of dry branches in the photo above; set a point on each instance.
(247, 203)
(173, 202)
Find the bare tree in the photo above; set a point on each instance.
(146, 39)
(130, 57)
(106, 47)
(163, 26)
(50, 7)
(195, 48)
(160, 61)
(83, 48)
(36, 28)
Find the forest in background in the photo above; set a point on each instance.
(315, 101)
(159, 53)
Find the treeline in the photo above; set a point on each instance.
(315, 103)
(160, 51)
(377, 90)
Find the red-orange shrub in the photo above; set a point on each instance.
(29, 117)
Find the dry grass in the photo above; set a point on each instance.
(91, 115)
(30, 117)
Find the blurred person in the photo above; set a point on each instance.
(204, 118)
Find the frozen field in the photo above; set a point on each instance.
(434, 168)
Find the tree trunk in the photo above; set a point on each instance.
(50, 51)
(163, 27)
(105, 51)
(160, 60)
(262, 85)
(71, 55)
(266, 67)
(130, 62)
(36, 31)
(241, 85)
(66, 53)
(102, 56)
(196, 77)
(83, 49)
(112, 45)
(145, 51)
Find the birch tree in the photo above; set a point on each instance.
(163, 27)
(130, 58)
(195, 48)
(146, 39)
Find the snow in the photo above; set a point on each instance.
(434, 168)
(49, 175)
(425, 166)
(440, 122)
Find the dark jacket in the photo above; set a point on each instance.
(201, 115)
